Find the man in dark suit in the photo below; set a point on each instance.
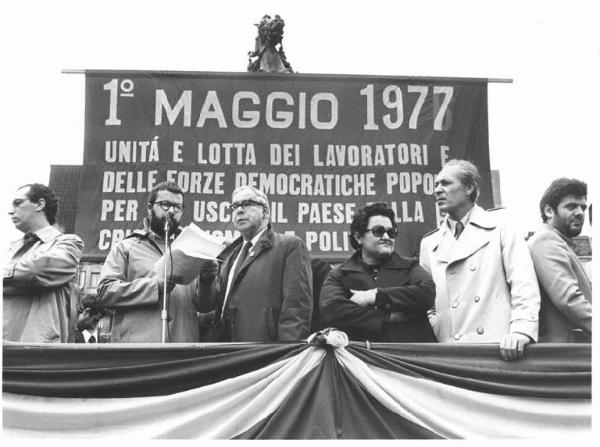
(90, 313)
(264, 291)
(378, 295)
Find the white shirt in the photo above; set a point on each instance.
(87, 334)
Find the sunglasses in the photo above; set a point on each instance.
(244, 204)
(380, 230)
(165, 205)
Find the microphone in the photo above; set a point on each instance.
(170, 215)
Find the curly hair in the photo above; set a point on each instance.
(38, 191)
(558, 189)
(360, 220)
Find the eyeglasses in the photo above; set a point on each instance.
(244, 204)
(165, 205)
(380, 230)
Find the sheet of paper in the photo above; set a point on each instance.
(192, 248)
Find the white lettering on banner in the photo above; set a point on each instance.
(211, 211)
(392, 98)
(327, 241)
(362, 184)
(314, 110)
(250, 117)
(177, 151)
(123, 151)
(108, 238)
(277, 213)
(284, 154)
(227, 153)
(281, 110)
(198, 182)
(366, 155)
(409, 182)
(123, 209)
(325, 213)
(408, 212)
(183, 103)
(211, 109)
(444, 156)
(128, 181)
(284, 119)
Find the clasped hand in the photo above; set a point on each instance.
(363, 297)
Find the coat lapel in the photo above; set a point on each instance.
(449, 250)
(264, 243)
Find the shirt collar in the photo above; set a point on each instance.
(87, 334)
(47, 233)
(465, 220)
(257, 236)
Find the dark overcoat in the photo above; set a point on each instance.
(271, 298)
(403, 288)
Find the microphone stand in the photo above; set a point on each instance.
(164, 313)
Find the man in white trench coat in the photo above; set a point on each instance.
(486, 287)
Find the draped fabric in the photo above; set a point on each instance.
(295, 391)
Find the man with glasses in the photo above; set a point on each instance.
(265, 286)
(130, 285)
(378, 295)
(487, 291)
(39, 291)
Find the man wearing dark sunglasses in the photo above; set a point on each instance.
(130, 285)
(266, 282)
(378, 295)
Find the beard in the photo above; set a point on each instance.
(157, 224)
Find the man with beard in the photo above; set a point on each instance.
(130, 285)
(378, 295)
(566, 308)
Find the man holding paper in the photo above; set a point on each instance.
(131, 284)
(265, 285)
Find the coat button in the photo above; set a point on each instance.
(456, 337)
(473, 268)
(476, 299)
(480, 330)
(455, 305)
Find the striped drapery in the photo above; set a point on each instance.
(295, 391)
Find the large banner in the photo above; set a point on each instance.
(319, 146)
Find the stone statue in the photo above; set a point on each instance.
(269, 59)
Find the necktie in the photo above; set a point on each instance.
(92, 339)
(240, 261)
(242, 258)
(29, 239)
(459, 229)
